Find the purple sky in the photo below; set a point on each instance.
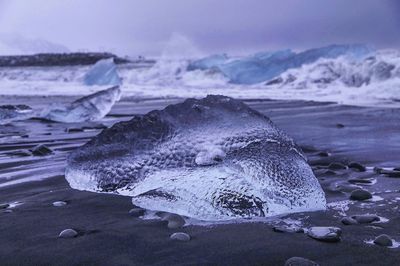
(132, 27)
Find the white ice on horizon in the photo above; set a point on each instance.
(168, 78)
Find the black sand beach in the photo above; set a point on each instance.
(108, 235)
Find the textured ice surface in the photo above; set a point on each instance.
(377, 68)
(264, 66)
(104, 72)
(10, 113)
(208, 62)
(89, 108)
(210, 159)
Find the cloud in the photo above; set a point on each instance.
(142, 27)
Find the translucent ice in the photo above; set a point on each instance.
(212, 159)
(208, 62)
(89, 108)
(104, 72)
(265, 66)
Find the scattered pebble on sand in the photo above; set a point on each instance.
(324, 154)
(348, 221)
(383, 240)
(41, 150)
(360, 194)
(68, 233)
(390, 173)
(180, 236)
(299, 261)
(59, 203)
(365, 218)
(4, 206)
(357, 166)
(337, 166)
(287, 229)
(174, 220)
(326, 234)
(137, 212)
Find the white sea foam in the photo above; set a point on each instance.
(370, 82)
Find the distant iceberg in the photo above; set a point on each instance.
(89, 108)
(104, 72)
(268, 65)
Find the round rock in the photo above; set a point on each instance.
(59, 203)
(337, 166)
(68, 233)
(357, 166)
(287, 229)
(348, 221)
(366, 218)
(136, 212)
(4, 206)
(383, 240)
(299, 261)
(180, 236)
(174, 220)
(360, 194)
(41, 150)
(326, 234)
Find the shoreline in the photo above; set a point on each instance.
(109, 235)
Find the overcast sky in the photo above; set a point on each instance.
(132, 27)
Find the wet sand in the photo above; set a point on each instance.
(108, 235)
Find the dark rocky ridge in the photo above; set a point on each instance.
(66, 59)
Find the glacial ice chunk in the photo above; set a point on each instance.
(208, 62)
(9, 113)
(340, 72)
(104, 72)
(211, 159)
(89, 108)
(268, 65)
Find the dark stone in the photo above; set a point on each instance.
(338, 125)
(377, 170)
(41, 150)
(390, 173)
(337, 166)
(348, 221)
(174, 220)
(59, 203)
(360, 194)
(324, 154)
(347, 187)
(325, 234)
(365, 218)
(357, 166)
(383, 240)
(73, 130)
(64, 59)
(180, 236)
(287, 229)
(359, 181)
(299, 261)
(137, 212)
(4, 206)
(68, 233)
